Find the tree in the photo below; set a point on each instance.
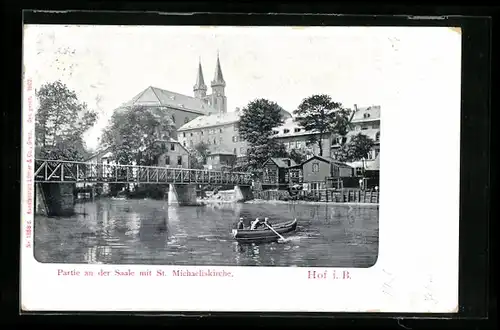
(357, 148)
(138, 134)
(320, 114)
(299, 155)
(258, 119)
(60, 122)
(199, 155)
(257, 122)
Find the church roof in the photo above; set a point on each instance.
(153, 96)
(211, 120)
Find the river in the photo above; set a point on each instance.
(111, 231)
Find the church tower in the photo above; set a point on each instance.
(218, 98)
(200, 89)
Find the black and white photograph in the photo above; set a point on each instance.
(198, 146)
(201, 158)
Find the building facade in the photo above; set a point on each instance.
(293, 136)
(221, 161)
(219, 131)
(366, 121)
(176, 155)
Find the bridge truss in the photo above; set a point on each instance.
(71, 171)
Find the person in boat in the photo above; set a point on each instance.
(256, 224)
(267, 222)
(240, 225)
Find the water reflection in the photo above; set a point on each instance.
(151, 232)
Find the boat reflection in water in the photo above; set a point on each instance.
(150, 232)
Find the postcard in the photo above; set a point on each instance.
(239, 168)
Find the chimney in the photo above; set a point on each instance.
(355, 107)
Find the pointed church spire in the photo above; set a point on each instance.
(200, 88)
(200, 82)
(218, 77)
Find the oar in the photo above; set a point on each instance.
(284, 239)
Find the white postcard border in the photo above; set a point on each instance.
(417, 268)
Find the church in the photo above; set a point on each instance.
(184, 108)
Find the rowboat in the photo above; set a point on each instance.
(264, 235)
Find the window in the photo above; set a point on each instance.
(235, 138)
(296, 130)
(179, 160)
(184, 143)
(215, 142)
(377, 136)
(286, 130)
(167, 160)
(201, 132)
(172, 146)
(359, 171)
(275, 132)
(220, 130)
(191, 134)
(183, 134)
(315, 167)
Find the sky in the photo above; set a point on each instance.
(108, 65)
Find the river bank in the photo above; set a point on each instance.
(279, 202)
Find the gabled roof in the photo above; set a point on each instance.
(326, 160)
(153, 96)
(281, 162)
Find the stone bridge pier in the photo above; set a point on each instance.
(182, 194)
(55, 199)
(242, 193)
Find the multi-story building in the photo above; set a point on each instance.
(219, 131)
(366, 120)
(293, 136)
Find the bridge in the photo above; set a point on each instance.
(58, 198)
(72, 172)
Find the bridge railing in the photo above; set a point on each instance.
(72, 171)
